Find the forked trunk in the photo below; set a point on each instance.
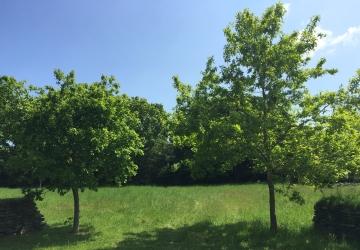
(75, 228)
(272, 210)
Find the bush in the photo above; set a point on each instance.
(19, 216)
(338, 214)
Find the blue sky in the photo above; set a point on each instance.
(144, 43)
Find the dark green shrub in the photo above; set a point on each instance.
(19, 216)
(338, 214)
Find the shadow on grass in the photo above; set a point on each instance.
(242, 235)
(56, 235)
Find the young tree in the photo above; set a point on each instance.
(262, 89)
(79, 134)
(266, 73)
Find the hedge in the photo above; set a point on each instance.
(19, 216)
(338, 214)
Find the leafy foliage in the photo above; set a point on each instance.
(77, 135)
(257, 108)
(80, 133)
(153, 129)
(14, 108)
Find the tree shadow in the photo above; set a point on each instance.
(242, 235)
(50, 236)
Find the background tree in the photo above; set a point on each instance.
(153, 129)
(79, 134)
(351, 99)
(201, 124)
(336, 139)
(14, 100)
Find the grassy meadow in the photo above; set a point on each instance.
(197, 217)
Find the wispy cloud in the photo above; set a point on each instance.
(351, 37)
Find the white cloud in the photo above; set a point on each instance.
(330, 42)
(287, 7)
(324, 42)
(351, 36)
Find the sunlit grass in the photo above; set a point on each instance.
(198, 217)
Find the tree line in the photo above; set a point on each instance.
(251, 118)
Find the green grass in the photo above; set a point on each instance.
(198, 217)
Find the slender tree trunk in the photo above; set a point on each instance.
(75, 228)
(273, 221)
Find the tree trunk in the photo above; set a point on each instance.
(273, 221)
(75, 192)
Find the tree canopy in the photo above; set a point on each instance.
(78, 134)
(253, 110)
(257, 106)
(14, 108)
(153, 129)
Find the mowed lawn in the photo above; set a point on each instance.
(197, 217)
